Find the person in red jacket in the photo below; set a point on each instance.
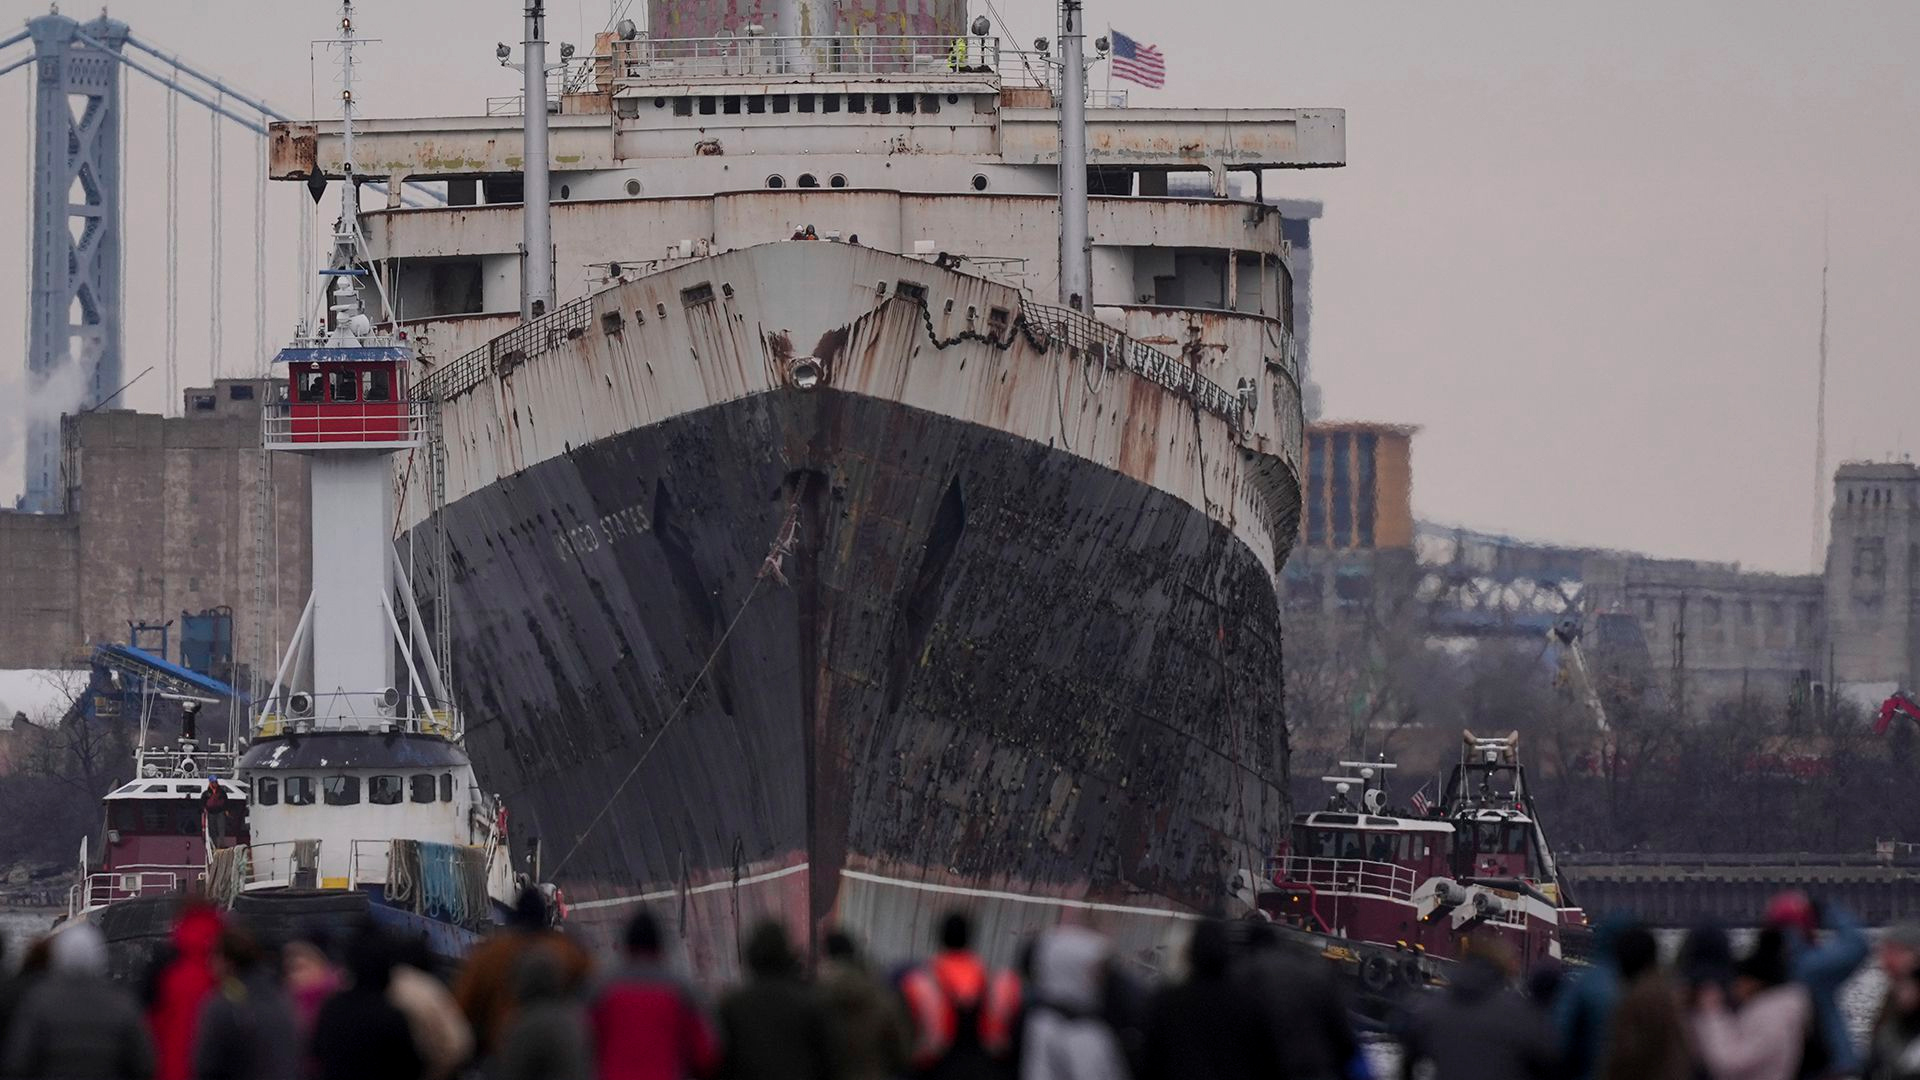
(179, 987)
(646, 1024)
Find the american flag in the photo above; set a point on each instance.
(1419, 801)
(1138, 63)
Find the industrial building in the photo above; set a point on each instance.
(158, 520)
(1708, 632)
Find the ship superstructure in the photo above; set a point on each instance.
(816, 555)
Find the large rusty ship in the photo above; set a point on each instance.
(818, 542)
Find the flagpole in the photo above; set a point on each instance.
(1109, 66)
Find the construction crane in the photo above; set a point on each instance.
(1575, 673)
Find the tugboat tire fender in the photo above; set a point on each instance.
(1376, 973)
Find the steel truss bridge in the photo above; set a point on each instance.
(1482, 584)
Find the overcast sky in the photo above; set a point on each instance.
(1578, 244)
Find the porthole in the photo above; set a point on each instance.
(566, 192)
(837, 180)
(659, 103)
(633, 187)
(776, 181)
(808, 180)
(979, 181)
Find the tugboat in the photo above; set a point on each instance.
(364, 801)
(181, 810)
(1396, 897)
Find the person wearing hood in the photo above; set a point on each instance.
(774, 1027)
(1479, 1028)
(1769, 1030)
(440, 1029)
(1893, 1046)
(1304, 1007)
(248, 1030)
(1822, 966)
(1649, 1037)
(74, 1023)
(1066, 1035)
(1207, 1027)
(871, 1038)
(180, 987)
(360, 1034)
(547, 1037)
(1583, 1011)
(646, 1023)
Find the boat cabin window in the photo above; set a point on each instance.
(149, 817)
(446, 787)
(1501, 838)
(266, 791)
(342, 790)
(313, 386)
(422, 786)
(384, 790)
(299, 791)
(343, 386)
(376, 384)
(1357, 844)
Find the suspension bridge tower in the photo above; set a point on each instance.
(73, 340)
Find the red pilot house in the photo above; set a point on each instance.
(345, 396)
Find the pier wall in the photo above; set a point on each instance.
(1682, 890)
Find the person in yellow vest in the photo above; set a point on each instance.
(957, 56)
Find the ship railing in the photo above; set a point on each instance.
(506, 352)
(178, 762)
(1355, 876)
(371, 859)
(647, 60)
(128, 882)
(279, 864)
(385, 712)
(295, 424)
(1099, 343)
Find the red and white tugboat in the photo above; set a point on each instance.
(1395, 897)
(162, 828)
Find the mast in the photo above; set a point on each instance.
(536, 278)
(1076, 250)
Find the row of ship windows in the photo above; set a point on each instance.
(734, 104)
(345, 790)
(808, 180)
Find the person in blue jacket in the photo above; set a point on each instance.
(1822, 965)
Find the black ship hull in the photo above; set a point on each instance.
(987, 674)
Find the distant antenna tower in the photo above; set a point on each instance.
(1821, 482)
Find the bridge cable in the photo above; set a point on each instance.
(213, 202)
(259, 255)
(173, 255)
(120, 210)
(26, 246)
